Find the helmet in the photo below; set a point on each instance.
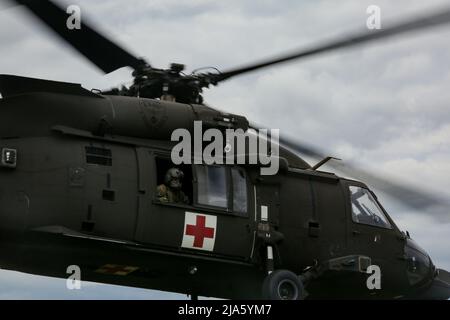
(173, 178)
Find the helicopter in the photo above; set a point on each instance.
(79, 177)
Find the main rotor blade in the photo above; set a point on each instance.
(426, 21)
(414, 198)
(101, 51)
(411, 197)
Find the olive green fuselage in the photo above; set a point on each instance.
(83, 193)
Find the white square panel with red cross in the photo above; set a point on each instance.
(199, 231)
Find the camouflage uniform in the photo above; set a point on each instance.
(165, 194)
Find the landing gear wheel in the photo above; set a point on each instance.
(282, 285)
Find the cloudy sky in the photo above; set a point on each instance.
(384, 106)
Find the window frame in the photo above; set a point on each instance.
(229, 189)
(392, 226)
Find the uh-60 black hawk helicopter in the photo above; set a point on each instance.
(81, 170)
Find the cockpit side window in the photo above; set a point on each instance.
(366, 210)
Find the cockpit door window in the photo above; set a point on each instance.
(366, 210)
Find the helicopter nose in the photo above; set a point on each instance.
(420, 267)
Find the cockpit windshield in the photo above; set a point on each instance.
(366, 210)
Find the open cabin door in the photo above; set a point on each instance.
(215, 220)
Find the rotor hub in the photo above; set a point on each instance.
(167, 84)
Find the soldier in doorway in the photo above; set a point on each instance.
(171, 191)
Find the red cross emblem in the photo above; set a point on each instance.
(199, 231)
